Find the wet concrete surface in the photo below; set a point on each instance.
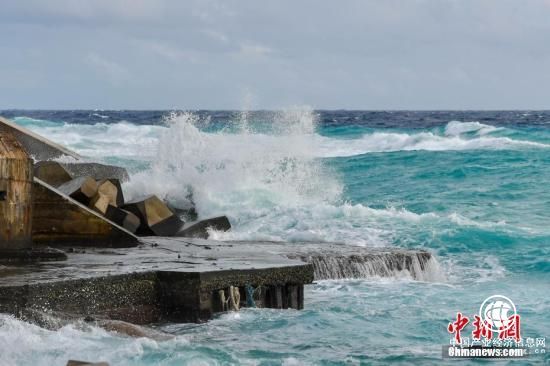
(181, 255)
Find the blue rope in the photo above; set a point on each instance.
(250, 296)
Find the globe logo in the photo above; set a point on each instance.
(496, 311)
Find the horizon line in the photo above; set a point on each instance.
(275, 109)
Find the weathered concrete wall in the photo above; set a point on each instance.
(16, 175)
(151, 283)
(148, 297)
(58, 219)
(131, 297)
(194, 296)
(40, 148)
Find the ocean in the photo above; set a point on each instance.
(471, 187)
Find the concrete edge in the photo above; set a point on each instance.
(40, 139)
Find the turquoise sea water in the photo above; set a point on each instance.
(473, 190)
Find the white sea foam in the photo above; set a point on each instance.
(122, 139)
(271, 184)
(27, 344)
(457, 128)
(428, 141)
(293, 134)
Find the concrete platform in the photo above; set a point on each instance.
(171, 281)
(177, 279)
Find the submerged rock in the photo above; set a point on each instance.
(132, 330)
(199, 229)
(188, 213)
(186, 210)
(85, 363)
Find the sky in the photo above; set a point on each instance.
(210, 54)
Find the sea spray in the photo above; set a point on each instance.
(471, 193)
(273, 173)
(232, 171)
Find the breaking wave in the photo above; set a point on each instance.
(456, 136)
(77, 341)
(294, 129)
(270, 178)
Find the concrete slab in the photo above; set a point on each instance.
(175, 279)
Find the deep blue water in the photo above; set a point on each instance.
(472, 187)
(345, 118)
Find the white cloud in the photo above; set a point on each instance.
(352, 54)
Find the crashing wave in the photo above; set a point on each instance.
(395, 263)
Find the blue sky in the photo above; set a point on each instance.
(385, 54)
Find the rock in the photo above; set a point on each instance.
(199, 229)
(113, 190)
(132, 330)
(102, 204)
(187, 213)
(84, 363)
(55, 173)
(123, 218)
(52, 173)
(155, 217)
(81, 189)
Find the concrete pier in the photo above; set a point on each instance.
(175, 280)
(171, 279)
